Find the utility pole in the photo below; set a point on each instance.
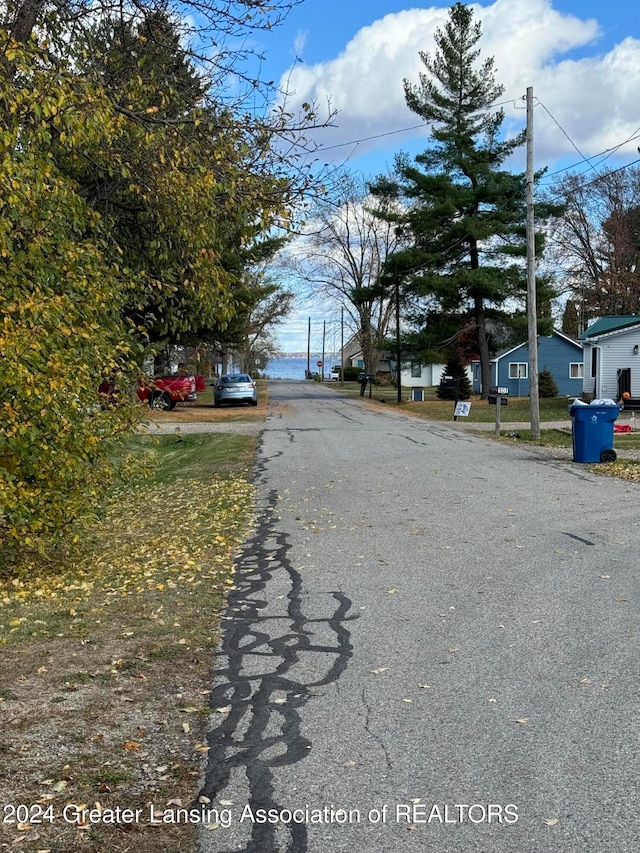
(324, 328)
(308, 376)
(532, 319)
(342, 345)
(398, 347)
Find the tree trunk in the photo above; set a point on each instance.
(483, 345)
(25, 19)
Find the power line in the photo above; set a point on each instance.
(403, 129)
(557, 123)
(605, 154)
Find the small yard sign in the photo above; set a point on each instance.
(462, 410)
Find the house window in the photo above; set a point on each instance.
(416, 370)
(576, 370)
(518, 370)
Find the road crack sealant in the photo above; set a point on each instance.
(272, 660)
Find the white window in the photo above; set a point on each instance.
(416, 370)
(576, 370)
(518, 370)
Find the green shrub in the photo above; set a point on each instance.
(547, 386)
(351, 374)
(454, 370)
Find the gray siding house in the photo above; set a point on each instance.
(612, 358)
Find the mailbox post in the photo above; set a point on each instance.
(498, 397)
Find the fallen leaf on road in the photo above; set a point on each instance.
(349, 763)
(392, 591)
(378, 671)
(551, 821)
(524, 721)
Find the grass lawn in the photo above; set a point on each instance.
(517, 409)
(108, 655)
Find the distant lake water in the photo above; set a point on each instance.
(293, 367)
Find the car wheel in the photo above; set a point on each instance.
(254, 402)
(161, 400)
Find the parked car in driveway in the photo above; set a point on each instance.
(235, 388)
(163, 392)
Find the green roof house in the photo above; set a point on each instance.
(612, 358)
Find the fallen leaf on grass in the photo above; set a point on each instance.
(132, 745)
(186, 728)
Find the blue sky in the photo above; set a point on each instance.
(582, 60)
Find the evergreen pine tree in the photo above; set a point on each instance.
(570, 319)
(459, 199)
(547, 386)
(454, 370)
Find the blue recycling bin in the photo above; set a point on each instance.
(592, 431)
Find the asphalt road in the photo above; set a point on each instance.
(434, 632)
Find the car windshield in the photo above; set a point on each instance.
(235, 377)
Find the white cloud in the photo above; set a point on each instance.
(300, 42)
(593, 97)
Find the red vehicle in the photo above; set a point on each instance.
(163, 392)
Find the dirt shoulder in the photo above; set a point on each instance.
(107, 660)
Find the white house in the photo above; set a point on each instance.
(612, 358)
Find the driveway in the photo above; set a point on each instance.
(431, 645)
